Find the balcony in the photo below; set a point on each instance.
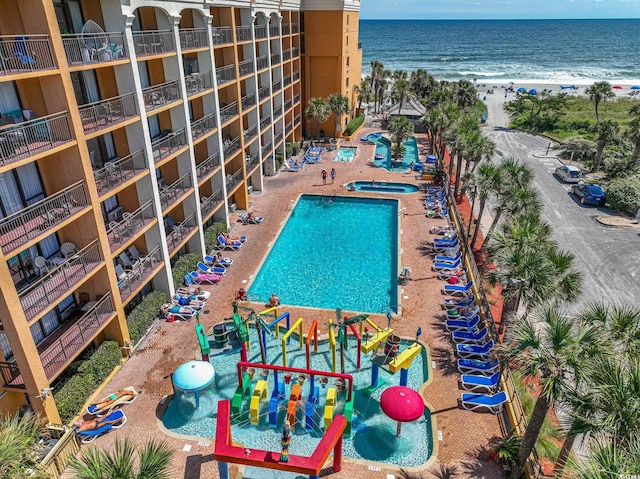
(243, 34)
(225, 74)
(198, 82)
(65, 342)
(22, 226)
(121, 232)
(277, 139)
(94, 48)
(153, 42)
(140, 273)
(207, 166)
(192, 38)
(250, 133)
(25, 54)
(296, 98)
(222, 35)
(286, 55)
(228, 112)
(55, 285)
(252, 162)
(277, 113)
(231, 147)
(233, 180)
(175, 191)
(295, 28)
(286, 81)
(245, 67)
(263, 93)
(295, 76)
(262, 62)
(261, 32)
(248, 101)
(265, 122)
(287, 127)
(167, 145)
(287, 104)
(266, 149)
(180, 232)
(275, 59)
(286, 29)
(296, 120)
(208, 205)
(274, 31)
(118, 172)
(32, 137)
(295, 52)
(160, 95)
(105, 113)
(277, 86)
(204, 125)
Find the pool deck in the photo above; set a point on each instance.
(462, 452)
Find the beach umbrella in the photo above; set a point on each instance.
(521, 89)
(635, 87)
(617, 87)
(533, 91)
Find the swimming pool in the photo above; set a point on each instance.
(338, 254)
(346, 153)
(382, 187)
(373, 433)
(384, 158)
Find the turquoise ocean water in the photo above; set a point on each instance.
(553, 51)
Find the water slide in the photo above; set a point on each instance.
(294, 399)
(259, 394)
(405, 358)
(242, 392)
(328, 407)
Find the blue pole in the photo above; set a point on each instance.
(288, 326)
(404, 377)
(223, 470)
(264, 343)
(312, 385)
(374, 375)
(275, 381)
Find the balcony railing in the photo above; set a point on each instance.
(250, 133)
(153, 42)
(287, 127)
(245, 67)
(207, 205)
(160, 95)
(262, 62)
(231, 147)
(266, 149)
(263, 93)
(25, 54)
(296, 120)
(55, 285)
(243, 34)
(175, 191)
(11, 376)
(198, 82)
(120, 232)
(228, 112)
(277, 139)
(265, 122)
(233, 180)
(287, 104)
(294, 28)
(102, 114)
(295, 52)
(286, 81)
(225, 74)
(166, 146)
(118, 172)
(203, 126)
(140, 273)
(274, 31)
(76, 337)
(22, 226)
(222, 35)
(207, 166)
(260, 32)
(33, 137)
(180, 232)
(286, 55)
(277, 112)
(296, 98)
(277, 86)
(91, 48)
(275, 59)
(191, 38)
(252, 162)
(286, 29)
(295, 76)
(248, 101)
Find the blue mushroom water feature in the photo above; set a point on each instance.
(193, 377)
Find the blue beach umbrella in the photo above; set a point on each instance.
(635, 87)
(522, 89)
(533, 91)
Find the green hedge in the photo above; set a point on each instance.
(354, 124)
(100, 364)
(279, 160)
(139, 320)
(212, 232)
(183, 266)
(624, 194)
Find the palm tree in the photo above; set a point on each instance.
(401, 130)
(466, 130)
(364, 92)
(467, 95)
(400, 90)
(317, 110)
(552, 349)
(488, 179)
(377, 74)
(606, 130)
(19, 445)
(338, 104)
(153, 462)
(422, 83)
(598, 92)
(607, 460)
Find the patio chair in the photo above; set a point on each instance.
(445, 241)
(125, 261)
(211, 269)
(130, 395)
(205, 278)
(42, 265)
(466, 313)
(475, 337)
(190, 290)
(474, 351)
(222, 244)
(460, 273)
(462, 324)
(480, 402)
(250, 220)
(457, 289)
(220, 262)
(440, 258)
(123, 276)
(459, 303)
(448, 248)
(442, 214)
(181, 312)
(117, 230)
(478, 383)
(289, 166)
(475, 366)
(20, 51)
(136, 255)
(68, 250)
(446, 266)
(87, 437)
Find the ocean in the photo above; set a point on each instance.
(527, 51)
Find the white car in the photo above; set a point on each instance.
(568, 174)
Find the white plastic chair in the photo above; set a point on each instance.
(68, 250)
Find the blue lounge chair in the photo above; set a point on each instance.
(444, 241)
(457, 289)
(182, 312)
(479, 383)
(87, 437)
(291, 165)
(467, 312)
(253, 220)
(449, 248)
(448, 259)
(475, 351)
(211, 269)
(477, 337)
(190, 290)
(479, 402)
(205, 278)
(223, 244)
(474, 366)
(459, 303)
(446, 266)
(462, 324)
(220, 262)
(131, 396)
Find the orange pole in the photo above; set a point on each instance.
(313, 333)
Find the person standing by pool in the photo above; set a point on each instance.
(324, 177)
(333, 175)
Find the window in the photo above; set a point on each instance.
(347, 19)
(347, 62)
(347, 82)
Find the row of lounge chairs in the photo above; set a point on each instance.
(108, 414)
(311, 157)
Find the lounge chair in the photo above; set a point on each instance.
(442, 214)
(445, 241)
(291, 166)
(467, 312)
(449, 248)
(254, 220)
(462, 324)
(479, 383)
(131, 396)
(457, 289)
(479, 402)
(460, 273)
(440, 266)
(182, 312)
(211, 269)
(476, 337)
(214, 261)
(459, 303)
(474, 351)
(439, 258)
(475, 366)
(87, 437)
(205, 278)
(189, 290)
(223, 244)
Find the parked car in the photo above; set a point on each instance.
(568, 174)
(589, 194)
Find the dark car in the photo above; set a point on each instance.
(589, 194)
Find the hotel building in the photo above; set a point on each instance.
(126, 129)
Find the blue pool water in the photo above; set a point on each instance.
(383, 150)
(382, 187)
(342, 254)
(373, 434)
(346, 153)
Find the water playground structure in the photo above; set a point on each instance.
(315, 401)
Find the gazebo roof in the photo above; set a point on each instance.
(410, 107)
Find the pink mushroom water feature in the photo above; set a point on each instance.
(401, 404)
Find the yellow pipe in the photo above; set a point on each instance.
(297, 324)
(332, 344)
(373, 325)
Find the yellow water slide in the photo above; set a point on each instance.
(260, 393)
(328, 407)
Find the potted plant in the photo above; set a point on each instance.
(504, 451)
(439, 176)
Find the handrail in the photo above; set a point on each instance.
(153, 42)
(265, 122)
(222, 35)
(203, 125)
(21, 226)
(207, 166)
(89, 48)
(243, 33)
(245, 67)
(228, 112)
(167, 145)
(137, 275)
(57, 459)
(295, 75)
(274, 31)
(277, 112)
(181, 231)
(251, 132)
(287, 104)
(191, 38)
(296, 120)
(103, 113)
(208, 204)
(275, 58)
(230, 148)
(225, 74)
(296, 98)
(253, 161)
(234, 180)
(286, 55)
(277, 86)
(263, 93)
(248, 101)
(262, 62)
(198, 82)
(169, 195)
(261, 32)
(25, 54)
(286, 81)
(131, 225)
(157, 96)
(10, 372)
(266, 149)
(295, 52)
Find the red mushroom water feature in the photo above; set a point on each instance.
(401, 404)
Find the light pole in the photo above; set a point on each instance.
(473, 204)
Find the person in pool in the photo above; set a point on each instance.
(273, 301)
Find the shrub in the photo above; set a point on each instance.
(623, 194)
(143, 315)
(279, 160)
(102, 362)
(73, 394)
(615, 164)
(354, 124)
(212, 232)
(183, 266)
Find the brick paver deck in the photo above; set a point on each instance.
(462, 450)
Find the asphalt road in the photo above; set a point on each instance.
(608, 257)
